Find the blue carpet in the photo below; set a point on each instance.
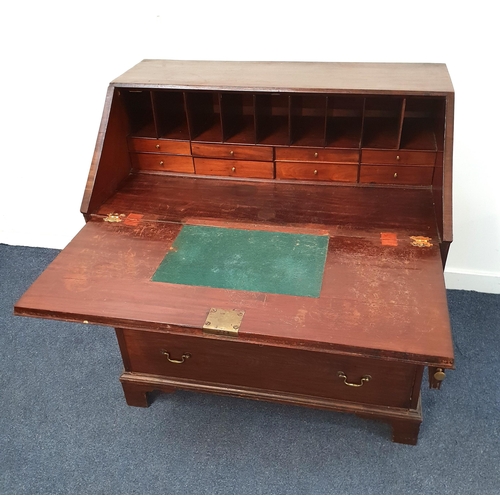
(65, 427)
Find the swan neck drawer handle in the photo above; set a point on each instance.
(364, 378)
(185, 356)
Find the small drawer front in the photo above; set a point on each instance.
(318, 154)
(316, 171)
(168, 163)
(139, 145)
(288, 370)
(234, 168)
(398, 157)
(383, 174)
(233, 152)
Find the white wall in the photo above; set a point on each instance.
(58, 57)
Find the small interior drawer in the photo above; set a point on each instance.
(398, 157)
(316, 171)
(140, 145)
(234, 168)
(233, 152)
(281, 369)
(162, 162)
(384, 174)
(317, 154)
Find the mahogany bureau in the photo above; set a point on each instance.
(270, 230)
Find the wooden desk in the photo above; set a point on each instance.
(360, 154)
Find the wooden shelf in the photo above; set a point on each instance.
(318, 120)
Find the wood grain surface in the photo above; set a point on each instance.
(290, 76)
(390, 298)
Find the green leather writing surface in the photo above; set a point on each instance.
(257, 261)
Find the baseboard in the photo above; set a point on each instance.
(458, 279)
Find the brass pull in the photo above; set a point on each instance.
(315, 172)
(233, 169)
(440, 375)
(157, 146)
(231, 153)
(315, 155)
(185, 356)
(397, 157)
(161, 162)
(364, 378)
(395, 175)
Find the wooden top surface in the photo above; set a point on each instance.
(290, 76)
(380, 296)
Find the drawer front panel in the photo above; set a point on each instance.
(233, 152)
(234, 168)
(383, 174)
(168, 163)
(318, 154)
(271, 368)
(139, 145)
(394, 157)
(316, 171)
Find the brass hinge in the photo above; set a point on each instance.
(114, 217)
(421, 241)
(223, 321)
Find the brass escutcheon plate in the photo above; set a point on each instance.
(223, 321)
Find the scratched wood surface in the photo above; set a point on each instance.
(380, 295)
(327, 207)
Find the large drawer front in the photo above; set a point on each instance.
(280, 369)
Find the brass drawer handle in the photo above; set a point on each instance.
(185, 356)
(364, 378)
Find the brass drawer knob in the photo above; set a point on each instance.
(364, 378)
(440, 375)
(162, 162)
(157, 146)
(231, 153)
(315, 172)
(395, 175)
(397, 157)
(233, 169)
(185, 356)
(316, 155)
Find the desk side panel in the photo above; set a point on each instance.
(111, 162)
